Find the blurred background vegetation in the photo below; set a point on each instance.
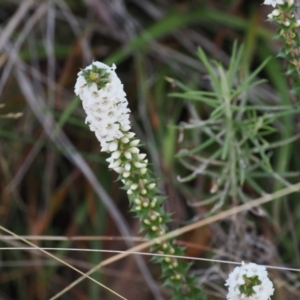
(54, 182)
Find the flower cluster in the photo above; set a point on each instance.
(275, 2)
(283, 12)
(285, 15)
(249, 282)
(105, 104)
(125, 156)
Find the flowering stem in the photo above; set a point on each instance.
(105, 103)
(285, 16)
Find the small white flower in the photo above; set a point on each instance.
(111, 159)
(115, 164)
(112, 130)
(276, 12)
(250, 277)
(80, 83)
(125, 127)
(137, 201)
(104, 103)
(273, 2)
(113, 146)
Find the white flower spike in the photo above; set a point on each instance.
(274, 2)
(249, 282)
(104, 101)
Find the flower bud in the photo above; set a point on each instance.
(119, 170)
(116, 154)
(125, 128)
(128, 155)
(138, 164)
(134, 186)
(153, 203)
(143, 171)
(115, 164)
(142, 156)
(130, 135)
(151, 186)
(171, 250)
(134, 143)
(134, 150)
(126, 174)
(110, 159)
(276, 12)
(124, 140)
(113, 146)
(177, 276)
(127, 167)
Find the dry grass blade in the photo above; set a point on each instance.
(37, 15)
(192, 258)
(25, 166)
(74, 238)
(60, 260)
(14, 21)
